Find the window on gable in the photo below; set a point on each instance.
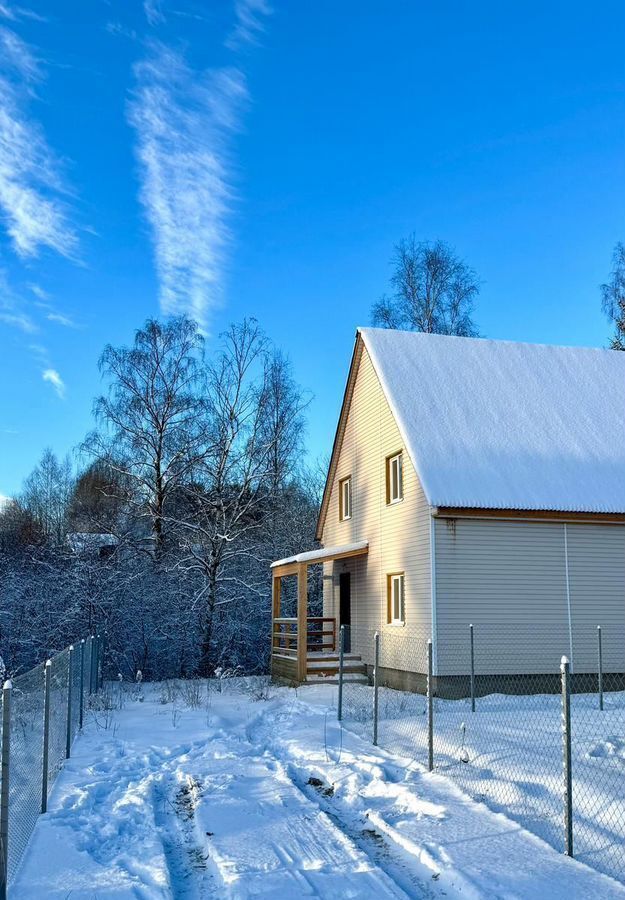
(395, 599)
(345, 498)
(394, 478)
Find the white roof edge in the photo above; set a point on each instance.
(321, 554)
(388, 393)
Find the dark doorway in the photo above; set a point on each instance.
(345, 598)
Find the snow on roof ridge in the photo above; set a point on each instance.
(423, 335)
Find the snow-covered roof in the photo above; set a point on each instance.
(324, 553)
(504, 425)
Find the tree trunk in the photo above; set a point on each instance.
(205, 666)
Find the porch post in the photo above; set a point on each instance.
(275, 592)
(302, 621)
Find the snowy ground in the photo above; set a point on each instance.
(252, 793)
(509, 755)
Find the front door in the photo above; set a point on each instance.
(345, 598)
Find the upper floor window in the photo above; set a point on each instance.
(396, 604)
(394, 478)
(345, 498)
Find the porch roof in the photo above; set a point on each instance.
(324, 554)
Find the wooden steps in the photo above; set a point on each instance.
(324, 668)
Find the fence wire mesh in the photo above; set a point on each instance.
(59, 681)
(497, 722)
(25, 782)
(357, 694)
(26, 750)
(598, 755)
(502, 741)
(402, 703)
(75, 704)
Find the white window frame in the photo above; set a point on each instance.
(346, 508)
(399, 579)
(398, 482)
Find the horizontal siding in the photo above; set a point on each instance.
(509, 579)
(597, 581)
(398, 534)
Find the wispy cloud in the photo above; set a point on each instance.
(14, 13)
(61, 319)
(184, 120)
(38, 291)
(153, 10)
(13, 311)
(32, 196)
(250, 22)
(19, 320)
(120, 30)
(53, 378)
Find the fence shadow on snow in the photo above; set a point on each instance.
(547, 749)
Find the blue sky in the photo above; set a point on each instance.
(230, 159)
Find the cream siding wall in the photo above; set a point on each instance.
(597, 585)
(398, 535)
(509, 579)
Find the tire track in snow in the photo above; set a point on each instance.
(270, 838)
(411, 873)
(191, 874)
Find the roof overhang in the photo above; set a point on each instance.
(545, 515)
(290, 564)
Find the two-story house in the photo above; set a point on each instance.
(471, 481)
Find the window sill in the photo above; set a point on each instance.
(396, 624)
(395, 502)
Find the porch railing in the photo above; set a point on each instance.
(320, 635)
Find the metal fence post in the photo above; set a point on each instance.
(94, 665)
(430, 693)
(4, 789)
(600, 666)
(91, 660)
(98, 663)
(81, 697)
(70, 687)
(341, 659)
(46, 736)
(102, 652)
(376, 687)
(89, 644)
(472, 669)
(565, 669)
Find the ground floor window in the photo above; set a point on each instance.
(396, 605)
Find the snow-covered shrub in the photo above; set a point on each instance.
(191, 690)
(169, 691)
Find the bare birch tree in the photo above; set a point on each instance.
(46, 495)
(613, 297)
(433, 290)
(252, 413)
(152, 417)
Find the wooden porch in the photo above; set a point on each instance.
(305, 648)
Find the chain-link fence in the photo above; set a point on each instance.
(42, 711)
(498, 722)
